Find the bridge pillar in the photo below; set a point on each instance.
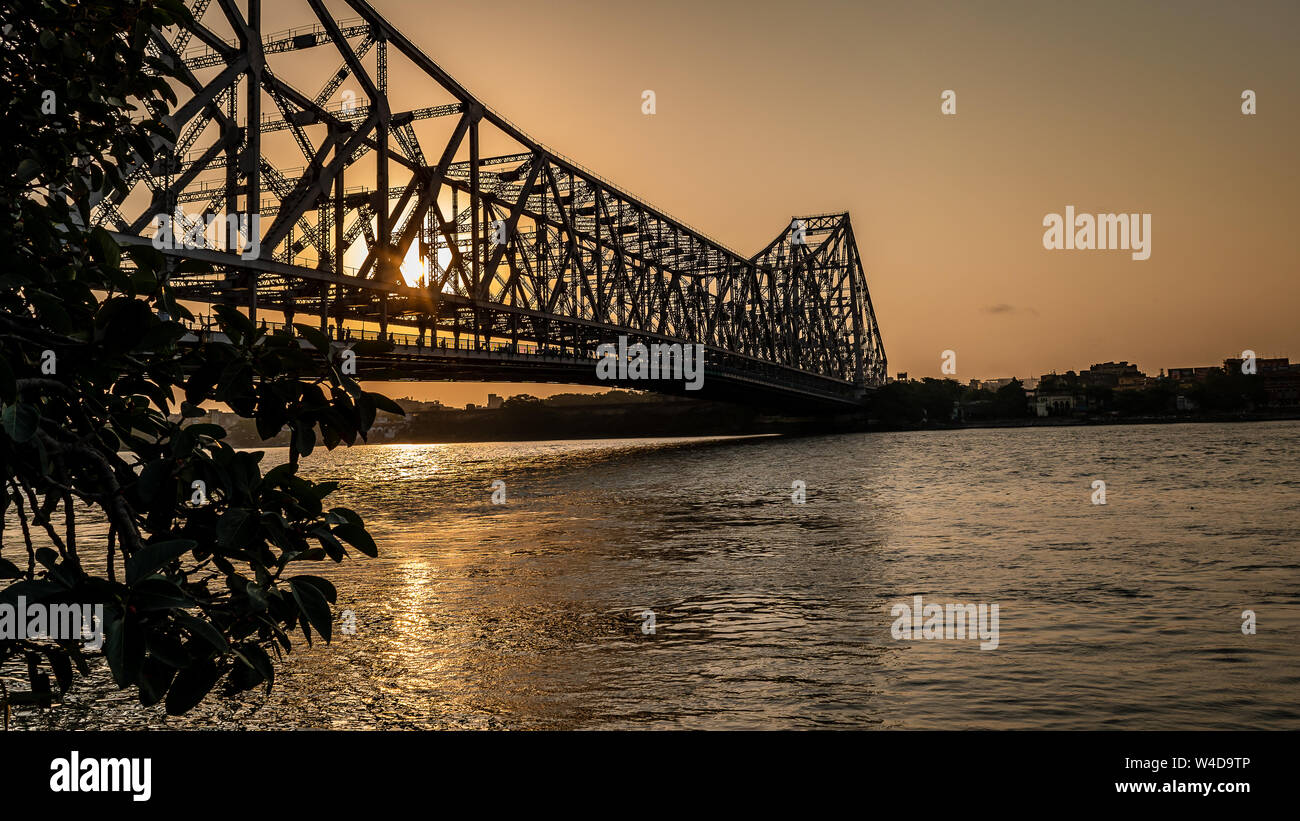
(253, 137)
(234, 138)
(473, 206)
(327, 288)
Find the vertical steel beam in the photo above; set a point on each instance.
(253, 135)
(474, 199)
(233, 138)
(473, 205)
(339, 214)
(388, 267)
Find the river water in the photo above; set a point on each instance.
(771, 614)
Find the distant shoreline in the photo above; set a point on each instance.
(1070, 422)
(581, 424)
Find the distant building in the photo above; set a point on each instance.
(1283, 387)
(1054, 404)
(470, 406)
(1191, 376)
(992, 385)
(1280, 378)
(1118, 376)
(1134, 382)
(494, 401)
(1058, 382)
(412, 406)
(1111, 374)
(1262, 366)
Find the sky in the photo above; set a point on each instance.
(769, 110)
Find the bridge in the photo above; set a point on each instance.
(479, 252)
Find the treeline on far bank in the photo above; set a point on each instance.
(932, 400)
(526, 418)
(898, 405)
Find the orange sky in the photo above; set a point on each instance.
(767, 110)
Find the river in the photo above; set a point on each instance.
(771, 614)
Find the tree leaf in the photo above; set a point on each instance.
(357, 536)
(28, 169)
(155, 678)
(21, 421)
(157, 593)
(8, 383)
(318, 340)
(192, 684)
(325, 586)
(123, 647)
(105, 249)
(207, 429)
(203, 629)
(237, 326)
(236, 528)
(385, 404)
(313, 606)
(154, 556)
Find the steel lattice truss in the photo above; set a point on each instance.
(516, 245)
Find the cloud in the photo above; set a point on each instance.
(1004, 308)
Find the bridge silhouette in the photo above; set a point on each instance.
(527, 261)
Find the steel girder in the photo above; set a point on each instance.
(521, 246)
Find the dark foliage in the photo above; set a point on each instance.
(100, 388)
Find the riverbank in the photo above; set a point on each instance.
(539, 422)
(1091, 421)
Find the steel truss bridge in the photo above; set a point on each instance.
(526, 260)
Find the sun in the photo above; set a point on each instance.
(413, 267)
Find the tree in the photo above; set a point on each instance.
(1230, 390)
(198, 574)
(1010, 402)
(938, 397)
(896, 404)
(931, 400)
(522, 401)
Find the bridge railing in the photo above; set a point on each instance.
(207, 322)
(717, 363)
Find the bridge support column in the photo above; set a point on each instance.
(473, 207)
(326, 287)
(253, 136)
(234, 138)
